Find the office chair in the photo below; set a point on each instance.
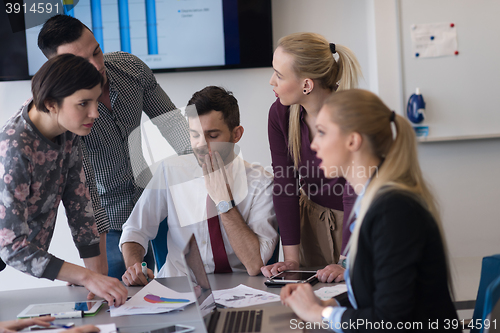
(492, 307)
(490, 271)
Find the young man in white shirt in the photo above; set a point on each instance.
(242, 193)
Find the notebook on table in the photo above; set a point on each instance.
(271, 318)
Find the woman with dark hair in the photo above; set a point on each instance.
(40, 165)
(397, 274)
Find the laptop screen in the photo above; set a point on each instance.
(198, 278)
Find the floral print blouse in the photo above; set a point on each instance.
(35, 175)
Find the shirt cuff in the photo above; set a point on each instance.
(335, 320)
(133, 236)
(102, 221)
(89, 251)
(53, 268)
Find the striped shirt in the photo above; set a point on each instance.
(112, 151)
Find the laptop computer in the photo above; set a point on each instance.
(252, 319)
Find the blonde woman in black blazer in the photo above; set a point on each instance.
(398, 277)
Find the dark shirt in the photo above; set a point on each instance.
(332, 193)
(400, 270)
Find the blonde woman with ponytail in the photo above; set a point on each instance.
(311, 210)
(397, 275)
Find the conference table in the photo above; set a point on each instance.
(13, 302)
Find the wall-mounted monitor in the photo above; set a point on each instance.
(168, 35)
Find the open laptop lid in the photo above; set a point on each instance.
(198, 279)
(274, 319)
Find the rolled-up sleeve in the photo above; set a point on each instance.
(151, 208)
(162, 112)
(79, 211)
(262, 218)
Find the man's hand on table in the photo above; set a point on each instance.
(274, 269)
(331, 273)
(134, 277)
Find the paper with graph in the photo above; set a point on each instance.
(327, 293)
(153, 298)
(242, 296)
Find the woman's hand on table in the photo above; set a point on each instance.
(302, 300)
(12, 326)
(274, 269)
(331, 273)
(19, 324)
(111, 289)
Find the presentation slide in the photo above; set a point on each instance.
(163, 33)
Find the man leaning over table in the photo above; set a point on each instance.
(179, 190)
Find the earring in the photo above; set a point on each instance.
(305, 91)
(308, 93)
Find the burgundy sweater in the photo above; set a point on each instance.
(332, 193)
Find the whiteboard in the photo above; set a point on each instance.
(462, 92)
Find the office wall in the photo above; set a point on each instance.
(449, 113)
(462, 173)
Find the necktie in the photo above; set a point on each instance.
(218, 250)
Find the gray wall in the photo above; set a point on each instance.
(462, 173)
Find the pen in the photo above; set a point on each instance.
(145, 270)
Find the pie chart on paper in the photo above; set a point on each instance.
(157, 299)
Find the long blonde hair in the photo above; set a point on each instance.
(363, 112)
(313, 59)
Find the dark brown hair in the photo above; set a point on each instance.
(60, 77)
(59, 30)
(215, 98)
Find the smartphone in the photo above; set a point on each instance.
(285, 277)
(174, 328)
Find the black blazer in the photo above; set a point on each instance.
(399, 274)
